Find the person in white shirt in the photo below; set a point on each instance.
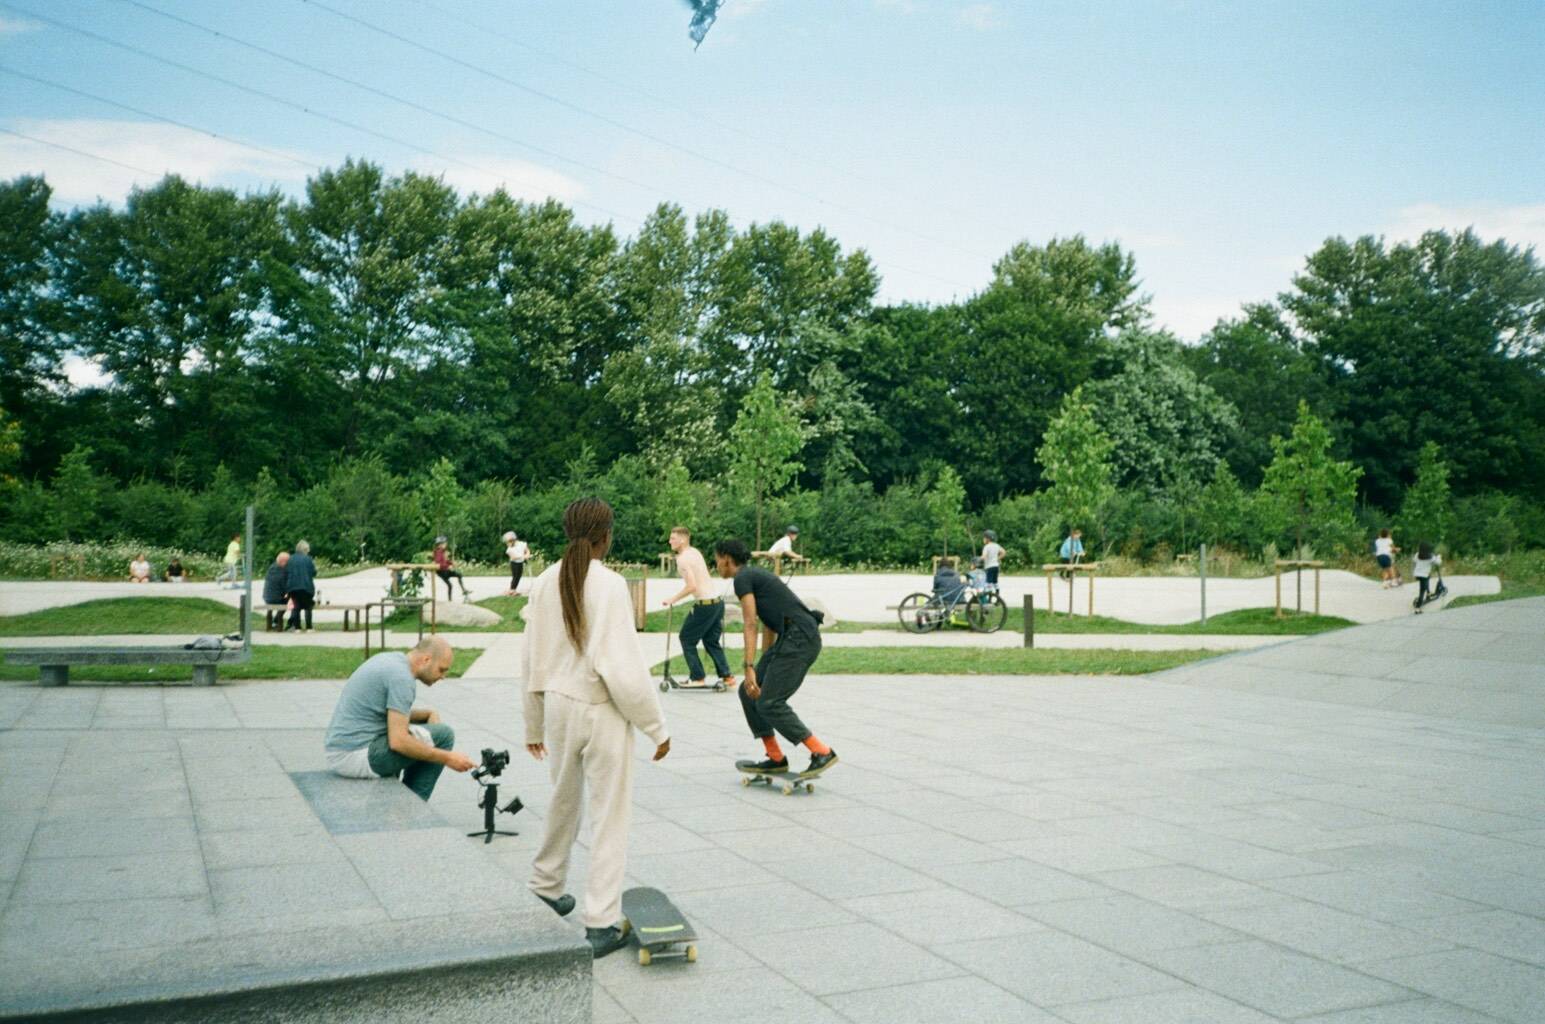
(1384, 552)
(784, 545)
(587, 687)
(992, 556)
(705, 621)
(518, 552)
(1422, 566)
(139, 569)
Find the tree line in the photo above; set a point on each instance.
(381, 328)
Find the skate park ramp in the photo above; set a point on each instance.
(1484, 663)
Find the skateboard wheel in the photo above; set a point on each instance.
(788, 790)
(692, 954)
(644, 956)
(718, 687)
(664, 686)
(745, 780)
(809, 787)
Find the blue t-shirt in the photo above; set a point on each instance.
(384, 683)
(1072, 546)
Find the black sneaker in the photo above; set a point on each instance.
(768, 766)
(605, 940)
(820, 762)
(561, 906)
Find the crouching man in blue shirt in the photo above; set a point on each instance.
(376, 731)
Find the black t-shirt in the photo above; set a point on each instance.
(775, 602)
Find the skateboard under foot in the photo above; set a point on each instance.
(669, 683)
(660, 928)
(789, 782)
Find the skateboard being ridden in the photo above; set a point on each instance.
(771, 680)
(660, 928)
(753, 774)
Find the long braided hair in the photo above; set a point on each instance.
(587, 523)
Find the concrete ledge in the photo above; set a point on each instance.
(509, 967)
(219, 874)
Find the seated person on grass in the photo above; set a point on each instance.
(175, 573)
(139, 569)
(376, 731)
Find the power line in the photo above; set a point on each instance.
(79, 152)
(159, 117)
(621, 126)
(295, 106)
(452, 118)
(696, 115)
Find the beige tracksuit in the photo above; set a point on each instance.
(584, 707)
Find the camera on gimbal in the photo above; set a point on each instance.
(494, 762)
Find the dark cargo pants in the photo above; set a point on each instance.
(779, 673)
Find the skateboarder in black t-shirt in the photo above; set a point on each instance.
(770, 681)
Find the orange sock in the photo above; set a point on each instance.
(773, 750)
(816, 746)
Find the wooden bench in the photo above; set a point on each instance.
(353, 614)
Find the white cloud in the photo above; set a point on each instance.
(519, 178)
(980, 17)
(899, 6)
(1190, 318)
(143, 151)
(16, 26)
(1521, 225)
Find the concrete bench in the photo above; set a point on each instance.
(54, 662)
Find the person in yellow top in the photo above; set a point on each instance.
(231, 561)
(587, 687)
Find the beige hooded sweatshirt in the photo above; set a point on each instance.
(612, 666)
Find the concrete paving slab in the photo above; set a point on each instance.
(928, 1002)
(1480, 981)
(1276, 980)
(1176, 1007)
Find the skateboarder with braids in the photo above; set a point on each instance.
(769, 681)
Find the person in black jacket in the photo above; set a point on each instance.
(300, 582)
(275, 592)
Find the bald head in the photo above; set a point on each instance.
(430, 659)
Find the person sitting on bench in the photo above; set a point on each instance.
(376, 732)
(276, 591)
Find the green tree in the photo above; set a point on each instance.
(765, 442)
(10, 452)
(1166, 425)
(440, 504)
(1222, 508)
(30, 346)
(1256, 364)
(675, 504)
(1427, 510)
(1393, 328)
(1311, 494)
(78, 491)
(1075, 460)
(946, 503)
(1032, 336)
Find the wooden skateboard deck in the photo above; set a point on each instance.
(660, 928)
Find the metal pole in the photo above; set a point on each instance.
(1316, 590)
(1201, 562)
(1279, 592)
(1298, 578)
(1029, 620)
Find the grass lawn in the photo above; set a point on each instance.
(945, 661)
(267, 663)
(126, 615)
(1510, 591)
(505, 607)
(1244, 622)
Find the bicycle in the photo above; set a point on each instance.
(984, 610)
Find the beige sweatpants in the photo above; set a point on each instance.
(589, 747)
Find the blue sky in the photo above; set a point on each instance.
(1219, 142)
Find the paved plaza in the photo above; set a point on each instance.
(1345, 828)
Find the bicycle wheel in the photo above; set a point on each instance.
(987, 613)
(917, 614)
